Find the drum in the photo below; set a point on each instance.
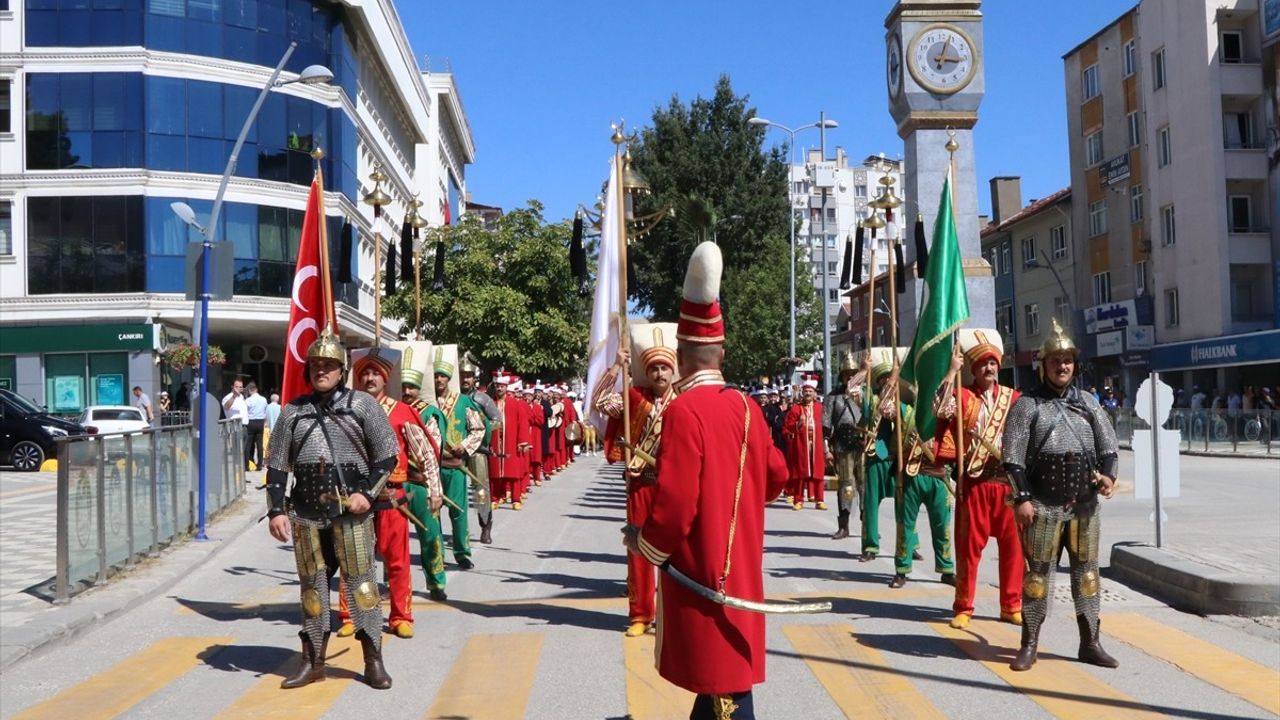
(573, 432)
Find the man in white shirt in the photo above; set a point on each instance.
(143, 403)
(235, 408)
(256, 411)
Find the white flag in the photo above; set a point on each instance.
(605, 312)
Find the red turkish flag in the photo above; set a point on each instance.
(312, 301)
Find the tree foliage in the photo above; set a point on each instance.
(707, 148)
(509, 297)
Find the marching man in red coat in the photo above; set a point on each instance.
(509, 445)
(717, 468)
(981, 510)
(537, 421)
(805, 446)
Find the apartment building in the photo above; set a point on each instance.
(1174, 202)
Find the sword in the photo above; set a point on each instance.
(720, 598)
(404, 510)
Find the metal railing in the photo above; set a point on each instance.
(122, 496)
(1237, 432)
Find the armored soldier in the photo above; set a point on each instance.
(341, 449)
(981, 492)
(649, 397)
(1060, 454)
(840, 414)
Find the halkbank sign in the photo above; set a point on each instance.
(1247, 349)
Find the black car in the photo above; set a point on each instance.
(27, 432)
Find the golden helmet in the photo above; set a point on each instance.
(328, 347)
(1059, 341)
(847, 363)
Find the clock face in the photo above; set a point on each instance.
(893, 65)
(942, 59)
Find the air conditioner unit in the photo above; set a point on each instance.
(254, 353)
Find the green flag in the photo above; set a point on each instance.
(946, 307)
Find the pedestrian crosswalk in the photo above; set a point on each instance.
(492, 676)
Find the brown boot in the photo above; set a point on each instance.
(375, 674)
(312, 668)
(486, 533)
(842, 523)
(1026, 656)
(1090, 647)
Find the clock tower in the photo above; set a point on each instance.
(934, 74)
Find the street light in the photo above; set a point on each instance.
(1035, 264)
(310, 75)
(823, 123)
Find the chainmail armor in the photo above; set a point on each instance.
(1053, 529)
(1055, 443)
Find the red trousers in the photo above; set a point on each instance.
(797, 486)
(391, 541)
(500, 487)
(641, 574)
(980, 515)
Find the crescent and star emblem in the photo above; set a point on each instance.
(307, 273)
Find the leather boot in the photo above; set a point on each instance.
(375, 674)
(312, 667)
(842, 523)
(1026, 656)
(486, 532)
(1090, 647)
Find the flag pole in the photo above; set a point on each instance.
(893, 349)
(325, 286)
(624, 335)
(951, 147)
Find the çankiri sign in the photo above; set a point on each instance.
(1247, 349)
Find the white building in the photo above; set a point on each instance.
(113, 111)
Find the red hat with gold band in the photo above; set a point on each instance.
(700, 319)
(382, 359)
(980, 344)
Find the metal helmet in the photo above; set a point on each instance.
(1059, 341)
(847, 364)
(327, 347)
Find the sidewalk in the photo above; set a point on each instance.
(1221, 539)
(29, 620)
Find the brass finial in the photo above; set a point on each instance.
(618, 137)
(318, 153)
(377, 197)
(952, 146)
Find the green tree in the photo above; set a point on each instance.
(509, 297)
(708, 148)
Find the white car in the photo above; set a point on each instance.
(102, 419)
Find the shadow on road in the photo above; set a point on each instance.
(282, 612)
(548, 613)
(266, 660)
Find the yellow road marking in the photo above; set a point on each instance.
(1240, 676)
(266, 701)
(469, 690)
(1059, 685)
(115, 690)
(649, 697)
(856, 676)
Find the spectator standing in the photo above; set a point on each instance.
(143, 403)
(256, 412)
(233, 406)
(183, 402)
(273, 411)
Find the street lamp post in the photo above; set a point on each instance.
(311, 75)
(1037, 264)
(822, 123)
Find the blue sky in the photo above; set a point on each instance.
(541, 81)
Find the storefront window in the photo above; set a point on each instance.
(108, 375)
(64, 383)
(8, 372)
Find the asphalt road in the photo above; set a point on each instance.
(536, 631)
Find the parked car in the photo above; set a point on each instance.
(102, 419)
(28, 433)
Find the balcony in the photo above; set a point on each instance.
(1241, 79)
(1245, 163)
(1249, 248)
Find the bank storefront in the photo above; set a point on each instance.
(69, 367)
(1117, 342)
(1225, 363)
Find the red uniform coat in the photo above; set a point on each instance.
(510, 458)
(537, 418)
(802, 435)
(704, 647)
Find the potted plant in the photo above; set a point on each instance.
(184, 354)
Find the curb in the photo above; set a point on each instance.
(1214, 453)
(149, 579)
(1189, 585)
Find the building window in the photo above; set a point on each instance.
(1004, 319)
(1237, 130)
(1130, 57)
(1232, 51)
(831, 213)
(1006, 257)
(1135, 130)
(833, 295)
(1140, 278)
(1171, 311)
(1102, 288)
(1240, 213)
(1168, 227)
(1089, 83)
(1135, 204)
(1033, 319)
(1165, 147)
(1093, 148)
(1058, 241)
(860, 191)
(1029, 251)
(6, 228)
(1097, 218)
(831, 268)
(6, 105)
(1158, 78)
(87, 245)
(1062, 310)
